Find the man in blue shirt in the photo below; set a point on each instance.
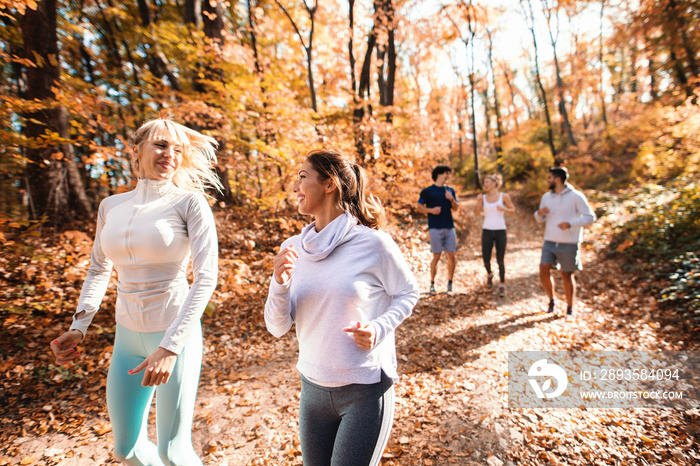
(438, 201)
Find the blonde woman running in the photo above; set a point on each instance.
(494, 205)
(148, 235)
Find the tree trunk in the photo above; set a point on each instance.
(634, 79)
(308, 48)
(513, 94)
(52, 179)
(386, 54)
(566, 125)
(562, 104)
(362, 141)
(651, 68)
(351, 52)
(193, 12)
(262, 129)
(254, 46)
(498, 144)
(127, 49)
(310, 72)
(680, 26)
(602, 67)
(460, 136)
(357, 110)
(529, 16)
(108, 35)
(157, 62)
(468, 10)
(472, 115)
(213, 20)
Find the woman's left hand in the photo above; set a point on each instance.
(159, 365)
(364, 334)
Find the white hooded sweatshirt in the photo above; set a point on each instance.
(347, 272)
(569, 206)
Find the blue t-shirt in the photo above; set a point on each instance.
(434, 196)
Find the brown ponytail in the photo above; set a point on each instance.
(351, 181)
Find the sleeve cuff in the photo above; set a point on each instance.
(278, 288)
(169, 345)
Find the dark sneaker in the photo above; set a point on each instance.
(569, 311)
(489, 281)
(432, 290)
(449, 291)
(501, 291)
(550, 309)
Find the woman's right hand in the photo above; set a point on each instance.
(64, 346)
(284, 263)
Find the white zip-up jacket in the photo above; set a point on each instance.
(347, 272)
(569, 206)
(147, 235)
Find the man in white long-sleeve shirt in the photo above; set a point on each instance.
(564, 211)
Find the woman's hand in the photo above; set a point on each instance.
(284, 263)
(364, 334)
(159, 365)
(64, 346)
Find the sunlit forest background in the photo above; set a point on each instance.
(608, 88)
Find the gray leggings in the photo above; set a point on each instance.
(345, 426)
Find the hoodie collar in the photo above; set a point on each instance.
(318, 245)
(565, 189)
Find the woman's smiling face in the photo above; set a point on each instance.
(310, 191)
(159, 159)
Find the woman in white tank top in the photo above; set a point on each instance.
(494, 204)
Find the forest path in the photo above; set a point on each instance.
(453, 403)
(452, 397)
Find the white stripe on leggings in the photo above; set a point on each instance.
(383, 438)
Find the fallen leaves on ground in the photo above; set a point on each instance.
(452, 397)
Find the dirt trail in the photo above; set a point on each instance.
(452, 397)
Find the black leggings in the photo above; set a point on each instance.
(345, 426)
(488, 238)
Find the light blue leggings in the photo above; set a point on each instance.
(129, 402)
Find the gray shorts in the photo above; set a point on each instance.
(565, 254)
(443, 238)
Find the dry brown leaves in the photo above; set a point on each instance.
(451, 400)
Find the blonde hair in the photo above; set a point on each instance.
(196, 173)
(351, 181)
(496, 178)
